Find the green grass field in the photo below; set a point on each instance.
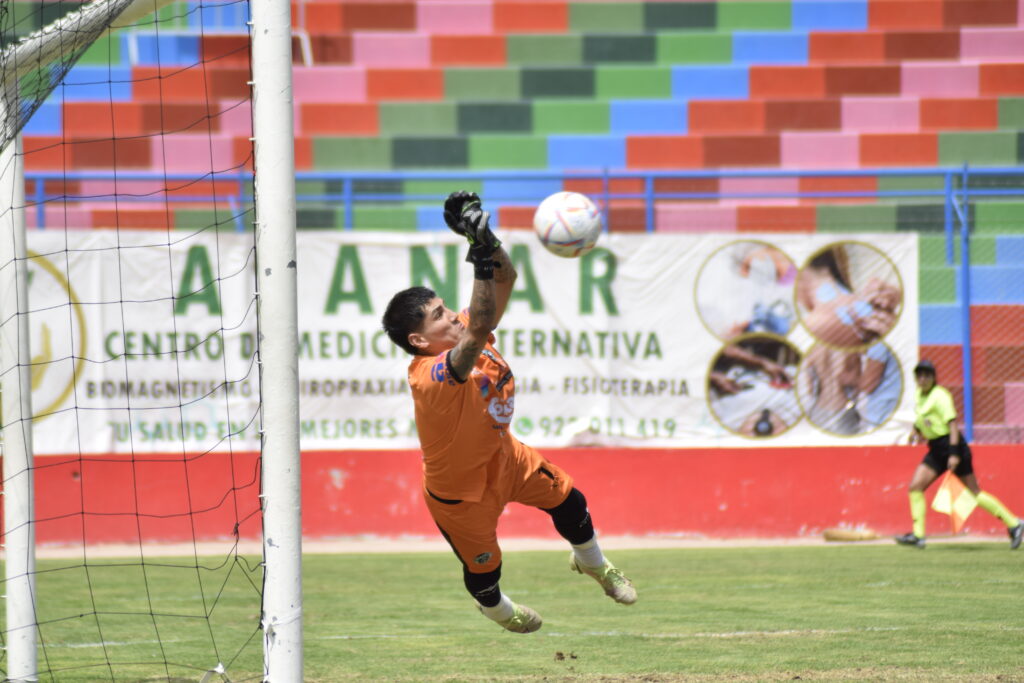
(836, 612)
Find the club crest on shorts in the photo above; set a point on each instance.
(482, 558)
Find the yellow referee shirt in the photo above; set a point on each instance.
(934, 411)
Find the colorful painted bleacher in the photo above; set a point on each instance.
(572, 84)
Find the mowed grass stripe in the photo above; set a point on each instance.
(831, 612)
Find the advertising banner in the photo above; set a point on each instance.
(649, 340)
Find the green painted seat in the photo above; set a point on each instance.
(856, 217)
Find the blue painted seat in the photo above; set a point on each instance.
(86, 83)
(167, 49)
(716, 82)
(648, 116)
(940, 324)
(830, 15)
(583, 151)
(997, 284)
(47, 120)
(1010, 250)
(769, 47)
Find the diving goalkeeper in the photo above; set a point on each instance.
(464, 392)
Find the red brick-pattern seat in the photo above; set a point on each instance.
(527, 16)
(948, 360)
(787, 82)
(725, 151)
(899, 149)
(837, 47)
(959, 113)
(664, 151)
(776, 219)
(343, 118)
(899, 14)
(922, 45)
(997, 325)
(378, 15)
(956, 13)
(405, 84)
(131, 218)
(726, 116)
(458, 50)
(820, 114)
(855, 79)
(1001, 79)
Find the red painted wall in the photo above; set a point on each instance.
(714, 492)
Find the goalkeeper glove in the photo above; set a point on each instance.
(464, 216)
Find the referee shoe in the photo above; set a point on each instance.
(1016, 535)
(910, 539)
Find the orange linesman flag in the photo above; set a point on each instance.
(955, 500)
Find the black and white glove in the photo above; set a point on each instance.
(464, 216)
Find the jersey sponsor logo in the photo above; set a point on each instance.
(482, 558)
(437, 372)
(500, 410)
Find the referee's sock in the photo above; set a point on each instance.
(991, 504)
(918, 510)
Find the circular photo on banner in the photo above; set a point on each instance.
(849, 295)
(746, 288)
(847, 393)
(751, 389)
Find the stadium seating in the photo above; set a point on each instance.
(587, 84)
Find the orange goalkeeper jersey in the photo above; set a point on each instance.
(462, 425)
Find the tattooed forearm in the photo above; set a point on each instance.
(482, 319)
(483, 306)
(504, 270)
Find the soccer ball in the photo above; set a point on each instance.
(568, 224)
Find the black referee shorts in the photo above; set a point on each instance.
(937, 456)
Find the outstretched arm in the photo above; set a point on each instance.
(483, 317)
(504, 278)
(493, 276)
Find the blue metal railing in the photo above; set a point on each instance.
(955, 187)
(349, 195)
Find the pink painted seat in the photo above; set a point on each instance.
(939, 79)
(329, 83)
(236, 119)
(450, 17)
(98, 188)
(782, 186)
(996, 433)
(57, 216)
(691, 217)
(1013, 398)
(379, 49)
(194, 153)
(990, 42)
(820, 149)
(881, 114)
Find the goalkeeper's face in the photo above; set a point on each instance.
(440, 330)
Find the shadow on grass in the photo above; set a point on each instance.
(965, 547)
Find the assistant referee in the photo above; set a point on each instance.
(936, 423)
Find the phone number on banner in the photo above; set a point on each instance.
(609, 426)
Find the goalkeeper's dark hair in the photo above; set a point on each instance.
(404, 315)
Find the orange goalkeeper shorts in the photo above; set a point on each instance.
(471, 528)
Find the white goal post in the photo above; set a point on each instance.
(61, 43)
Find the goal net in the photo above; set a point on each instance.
(135, 408)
